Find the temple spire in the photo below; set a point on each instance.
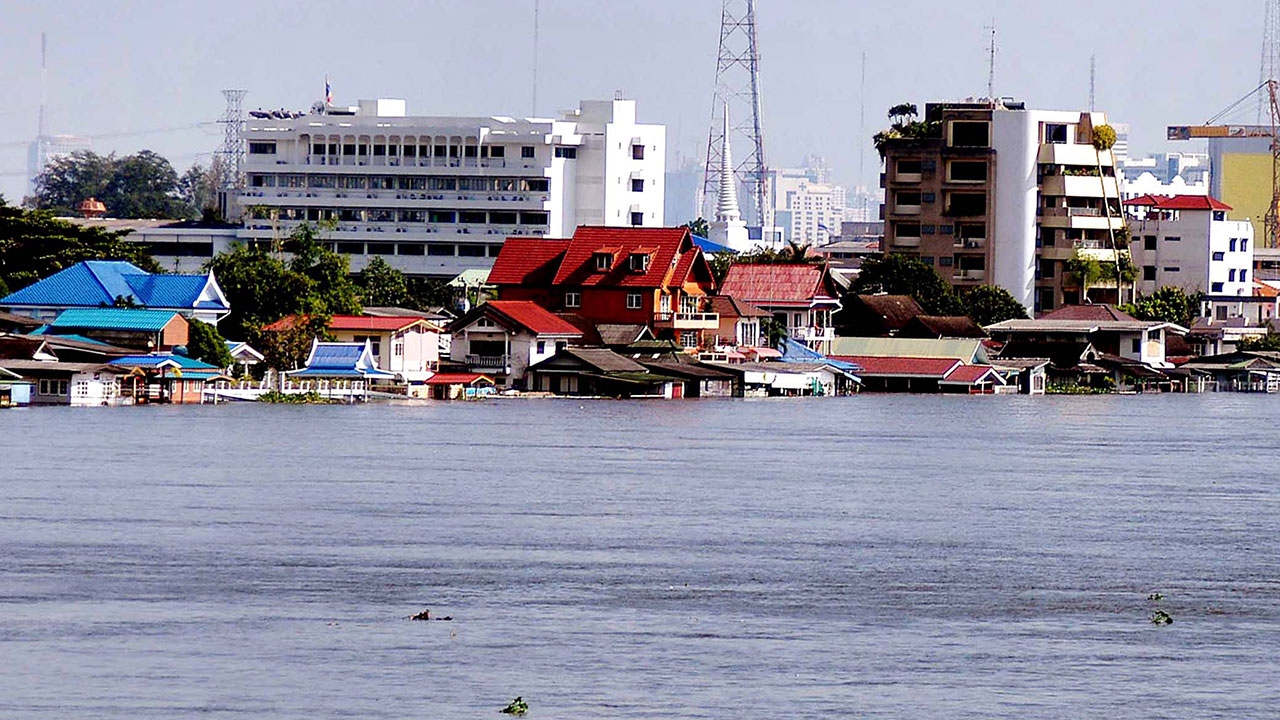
(727, 205)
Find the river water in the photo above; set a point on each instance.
(877, 557)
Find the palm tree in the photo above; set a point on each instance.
(1104, 140)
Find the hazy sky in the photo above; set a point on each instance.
(148, 73)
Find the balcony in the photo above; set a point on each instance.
(971, 243)
(687, 321)
(900, 209)
(1080, 186)
(906, 242)
(813, 334)
(969, 275)
(907, 177)
(489, 361)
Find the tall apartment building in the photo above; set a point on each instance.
(999, 194)
(439, 195)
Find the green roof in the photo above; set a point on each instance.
(113, 319)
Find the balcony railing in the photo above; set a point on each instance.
(906, 242)
(488, 361)
(1071, 212)
(970, 274)
(901, 209)
(971, 243)
(687, 321)
(813, 334)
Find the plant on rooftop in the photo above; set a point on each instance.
(1104, 140)
(35, 245)
(904, 125)
(1085, 269)
(989, 304)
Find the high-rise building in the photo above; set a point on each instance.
(438, 195)
(994, 193)
(807, 206)
(47, 148)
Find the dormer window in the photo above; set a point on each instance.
(639, 262)
(603, 261)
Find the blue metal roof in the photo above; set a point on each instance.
(341, 360)
(795, 351)
(156, 359)
(710, 247)
(113, 319)
(99, 282)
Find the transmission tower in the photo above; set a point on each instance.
(232, 153)
(737, 92)
(1269, 64)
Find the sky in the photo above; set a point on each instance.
(149, 73)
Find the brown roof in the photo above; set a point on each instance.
(780, 283)
(1088, 313)
(621, 333)
(22, 367)
(729, 306)
(16, 347)
(606, 361)
(11, 320)
(941, 326)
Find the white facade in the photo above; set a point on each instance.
(804, 202)
(1196, 250)
(1148, 184)
(438, 195)
(506, 355)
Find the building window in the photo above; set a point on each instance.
(966, 133)
(1219, 215)
(1149, 273)
(909, 167)
(1231, 275)
(967, 171)
(637, 218)
(1137, 346)
(1172, 269)
(637, 185)
(1055, 134)
(1216, 287)
(262, 148)
(375, 342)
(1046, 269)
(1149, 242)
(526, 152)
(639, 262)
(572, 299)
(926, 259)
(568, 153)
(689, 339)
(542, 346)
(635, 301)
(1172, 238)
(603, 260)
(1219, 256)
(1244, 244)
(945, 261)
(397, 349)
(1244, 275)
(637, 152)
(1231, 246)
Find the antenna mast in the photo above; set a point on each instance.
(1269, 63)
(737, 90)
(991, 64)
(43, 129)
(862, 133)
(1093, 77)
(536, 10)
(232, 153)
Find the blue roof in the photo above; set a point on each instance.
(710, 247)
(797, 352)
(113, 319)
(190, 367)
(44, 330)
(340, 360)
(94, 283)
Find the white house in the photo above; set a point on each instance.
(1187, 241)
(504, 338)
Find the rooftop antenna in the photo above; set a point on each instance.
(1093, 79)
(991, 64)
(43, 131)
(536, 12)
(862, 134)
(1269, 63)
(232, 153)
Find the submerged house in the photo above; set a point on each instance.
(112, 283)
(801, 296)
(599, 372)
(146, 330)
(504, 338)
(165, 378)
(351, 363)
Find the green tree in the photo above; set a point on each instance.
(35, 245)
(142, 185)
(720, 263)
(1271, 342)
(204, 343)
(903, 275)
(331, 290)
(431, 292)
(1168, 304)
(699, 227)
(1085, 269)
(382, 285)
(287, 349)
(198, 190)
(989, 304)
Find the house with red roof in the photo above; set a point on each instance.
(657, 277)
(1187, 241)
(503, 338)
(802, 296)
(407, 347)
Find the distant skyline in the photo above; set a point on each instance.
(148, 74)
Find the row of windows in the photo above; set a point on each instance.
(388, 215)
(1235, 245)
(382, 149)
(635, 300)
(968, 231)
(412, 249)
(392, 182)
(53, 387)
(968, 262)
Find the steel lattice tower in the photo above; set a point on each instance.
(1269, 64)
(232, 153)
(737, 91)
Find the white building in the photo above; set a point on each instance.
(438, 195)
(1188, 242)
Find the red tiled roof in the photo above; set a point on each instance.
(457, 378)
(285, 323)
(937, 368)
(367, 322)
(1088, 313)
(764, 284)
(1178, 202)
(969, 374)
(729, 306)
(662, 244)
(527, 261)
(532, 317)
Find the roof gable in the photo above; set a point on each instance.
(93, 283)
(530, 262)
(519, 315)
(667, 249)
(1089, 313)
(770, 283)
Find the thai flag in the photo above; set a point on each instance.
(328, 92)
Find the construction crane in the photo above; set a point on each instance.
(1211, 130)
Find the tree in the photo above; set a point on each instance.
(198, 190)
(989, 304)
(903, 112)
(287, 349)
(903, 275)
(1086, 270)
(1271, 341)
(699, 227)
(1168, 304)
(143, 185)
(905, 126)
(35, 245)
(205, 344)
(431, 292)
(382, 285)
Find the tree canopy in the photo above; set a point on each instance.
(903, 275)
(142, 185)
(1168, 304)
(989, 304)
(204, 343)
(382, 285)
(35, 245)
(262, 287)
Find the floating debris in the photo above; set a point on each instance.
(1160, 617)
(424, 615)
(517, 707)
(1155, 597)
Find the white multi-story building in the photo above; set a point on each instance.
(1188, 242)
(438, 195)
(806, 205)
